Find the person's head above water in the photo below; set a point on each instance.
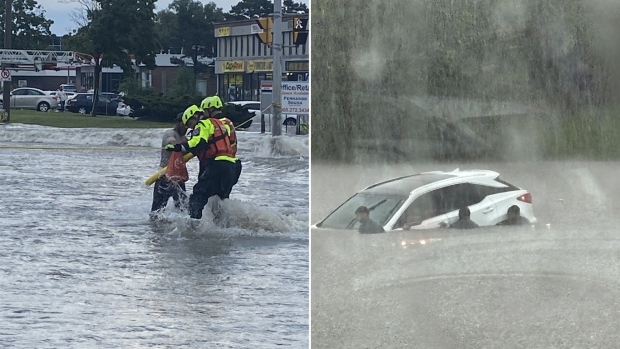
(464, 213)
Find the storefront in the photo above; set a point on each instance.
(244, 60)
(240, 80)
(297, 70)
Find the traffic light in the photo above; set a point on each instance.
(300, 31)
(266, 25)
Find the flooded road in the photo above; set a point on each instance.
(82, 266)
(554, 285)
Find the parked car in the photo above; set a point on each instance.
(83, 103)
(30, 98)
(254, 106)
(69, 88)
(432, 199)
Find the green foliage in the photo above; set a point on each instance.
(117, 29)
(157, 107)
(188, 25)
(248, 8)
(133, 87)
(185, 83)
(31, 30)
(290, 6)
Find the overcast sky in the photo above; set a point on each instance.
(59, 11)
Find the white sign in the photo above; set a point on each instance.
(5, 75)
(295, 97)
(256, 29)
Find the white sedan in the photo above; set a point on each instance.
(433, 199)
(254, 106)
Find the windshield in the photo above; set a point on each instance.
(382, 208)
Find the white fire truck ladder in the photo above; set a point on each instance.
(19, 59)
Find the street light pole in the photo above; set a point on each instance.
(276, 126)
(8, 21)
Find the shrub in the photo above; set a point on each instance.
(156, 107)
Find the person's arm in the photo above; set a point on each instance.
(202, 132)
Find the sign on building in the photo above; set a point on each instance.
(295, 96)
(222, 31)
(233, 66)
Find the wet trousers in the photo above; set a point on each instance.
(163, 190)
(216, 178)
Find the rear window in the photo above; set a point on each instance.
(382, 208)
(254, 106)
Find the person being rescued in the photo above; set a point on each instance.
(172, 183)
(210, 142)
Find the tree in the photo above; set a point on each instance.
(188, 25)
(247, 9)
(167, 26)
(31, 30)
(117, 30)
(289, 6)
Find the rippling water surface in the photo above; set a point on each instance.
(82, 266)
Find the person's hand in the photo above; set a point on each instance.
(171, 147)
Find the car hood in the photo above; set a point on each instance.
(495, 287)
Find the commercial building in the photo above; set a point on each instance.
(243, 60)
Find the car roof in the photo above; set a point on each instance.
(243, 102)
(405, 185)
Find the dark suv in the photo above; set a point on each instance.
(83, 103)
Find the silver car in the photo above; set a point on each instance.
(30, 98)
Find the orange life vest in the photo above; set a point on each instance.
(176, 170)
(233, 134)
(219, 143)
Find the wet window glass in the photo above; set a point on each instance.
(382, 208)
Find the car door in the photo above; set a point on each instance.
(104, 106)
(422, 213)
(483, 209)
(17, 98)
(32, 99)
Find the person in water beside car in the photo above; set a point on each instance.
(514, 217)
(165, 187)
(367, 226)
(464, 221)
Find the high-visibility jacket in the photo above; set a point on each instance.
(210, 140)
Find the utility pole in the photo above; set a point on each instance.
(8, 21)
(276, 126)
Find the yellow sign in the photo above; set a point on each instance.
(260, 66)
(266, 24)
(222, 31)
(233, 66)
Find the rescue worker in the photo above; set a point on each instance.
(212, 108)
(164, 188)
(211, 144)
(464, 221)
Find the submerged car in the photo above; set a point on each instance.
(433, 199)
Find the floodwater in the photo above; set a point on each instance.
(82, 266)
(552, 285)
